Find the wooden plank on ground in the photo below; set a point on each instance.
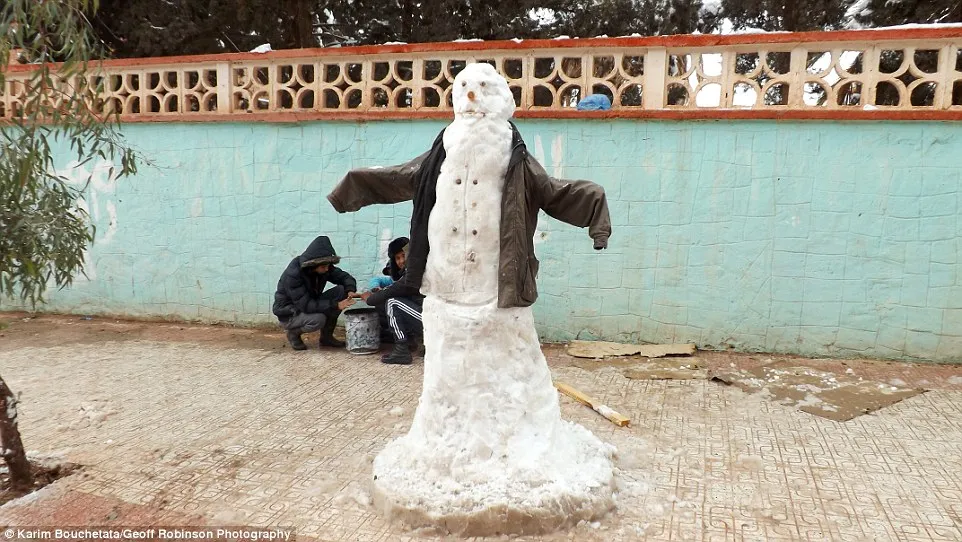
(605, 411)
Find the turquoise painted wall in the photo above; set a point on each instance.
(816, 238)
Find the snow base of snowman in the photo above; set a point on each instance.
(488, 452)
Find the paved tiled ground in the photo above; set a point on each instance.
(260, 437)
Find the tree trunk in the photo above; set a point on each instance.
(12, 446)
(303, 24)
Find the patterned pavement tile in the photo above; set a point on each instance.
(247, 437)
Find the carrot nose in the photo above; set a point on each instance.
(471, 95)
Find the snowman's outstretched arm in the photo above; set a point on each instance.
(579, 203)
(367, 186)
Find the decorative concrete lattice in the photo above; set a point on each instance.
(899, 75)
(901, 70)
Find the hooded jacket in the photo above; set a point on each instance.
(300, 287)
(527, 190)
(393, 249)
(400, 288)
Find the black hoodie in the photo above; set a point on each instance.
(299, 288)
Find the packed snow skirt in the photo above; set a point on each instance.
(488, 452)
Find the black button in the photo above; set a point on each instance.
(454, 229)
(474, 232)
(457, 181)
(474, 181)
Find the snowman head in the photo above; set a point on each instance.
(481, 92)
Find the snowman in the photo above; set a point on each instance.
(487, 452)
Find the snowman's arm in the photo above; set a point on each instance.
(579, 203)
(367, 186)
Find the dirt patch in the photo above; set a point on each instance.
(43, 475)
(18, 330)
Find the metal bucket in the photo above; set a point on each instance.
(363, 331)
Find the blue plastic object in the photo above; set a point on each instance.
(595, 102)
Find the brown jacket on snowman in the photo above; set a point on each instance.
(527, 190)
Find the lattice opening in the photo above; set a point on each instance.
(603, 89)
(382, 70)
(852, 61)
(171, 79)
(306, 72)
(170, 103)
(633, 65)
(711, 64)
(193, 81)
(924, 94)
(927, 60)
(890, 60)
(331, 72)
(432, 70)
(430, 97)
(818, 62)
(602, 66)
(284, 99)
(354, 98)
(850, 94)
(709, 95)
(543, 67)
(744, 95)
(455, 67)
(133, 81)
(210, 102)
(631, 96)
(516, 92)
(814, 94)
(353, 72)
(192, 103)
(285, 75)
(210, 77)
(380, 97)
(570, 95)
(886, 93)
(679, 65)
(261, 101)
(262, 75)
(677, 95)
(331, 99)
(571, 67)
(777, 94)
(405, 70)
(115, 83)
(746, 63)
(779, 62)
(404, 98)
(513, 68)
(543, 97)
(958, 60)
(957, 93)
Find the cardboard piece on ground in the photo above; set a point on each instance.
(603, 349)
(821, 393)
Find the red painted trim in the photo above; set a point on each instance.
(674, 41)
(636, 114)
